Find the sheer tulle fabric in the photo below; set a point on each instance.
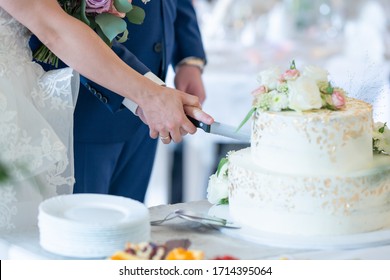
(36, 128)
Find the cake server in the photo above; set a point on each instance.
(207, 220)
(223, 130)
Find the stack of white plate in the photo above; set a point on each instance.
(91, 225)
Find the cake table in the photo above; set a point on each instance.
(25, 245)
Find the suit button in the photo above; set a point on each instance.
(157, 47)
(104, 100)
(98, 95)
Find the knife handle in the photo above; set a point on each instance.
(199, 124)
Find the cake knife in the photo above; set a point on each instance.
(223, 130)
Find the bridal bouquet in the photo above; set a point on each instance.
(106, 17)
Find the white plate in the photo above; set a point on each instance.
(91, 225)
(93, 210)
(351, 241)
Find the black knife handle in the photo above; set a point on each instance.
(199, 124)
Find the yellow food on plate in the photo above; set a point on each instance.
(183, 254)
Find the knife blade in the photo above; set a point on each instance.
(218, 128)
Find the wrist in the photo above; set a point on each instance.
(193, 61)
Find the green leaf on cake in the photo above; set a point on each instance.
(382, 129)
(221, 163)
(224, 201)
(247, 117)
(329, 89)
(292, 65)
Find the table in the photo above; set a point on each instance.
(24, 245)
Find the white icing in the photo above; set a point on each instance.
(315, 142)
(309, 205)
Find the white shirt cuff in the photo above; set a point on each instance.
(131, 105)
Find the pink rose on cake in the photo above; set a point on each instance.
(338, 98)
(291, 74)
(260, 90)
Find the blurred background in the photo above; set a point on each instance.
(349, 38)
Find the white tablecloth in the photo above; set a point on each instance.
(25, 245)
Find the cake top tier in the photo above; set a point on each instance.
(314, 142)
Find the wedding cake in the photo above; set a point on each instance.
(310, 169)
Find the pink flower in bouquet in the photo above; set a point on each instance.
(338, 99)
(260, 90)
(290, 74)
(98, 6)
(103, 6)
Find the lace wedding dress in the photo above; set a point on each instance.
(36, 125)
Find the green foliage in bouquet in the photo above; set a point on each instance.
(107, 18)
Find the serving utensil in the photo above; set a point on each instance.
(207, 220)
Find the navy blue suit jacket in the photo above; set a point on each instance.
(177, 36)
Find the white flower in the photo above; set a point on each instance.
(381, 139)
(315, 73)
(217, 188)
(264, 101)
(304, 94)
(269, 78)
(279, 101)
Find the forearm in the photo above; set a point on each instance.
(80, 48)
(74, 43)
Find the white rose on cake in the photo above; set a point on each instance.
(217, 190)
(315, 73)
(269, 78)
(304, 94)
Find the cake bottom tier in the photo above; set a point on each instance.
(309, 205)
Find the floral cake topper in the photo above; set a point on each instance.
(295, 90)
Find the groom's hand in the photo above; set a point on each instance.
(194, 112)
